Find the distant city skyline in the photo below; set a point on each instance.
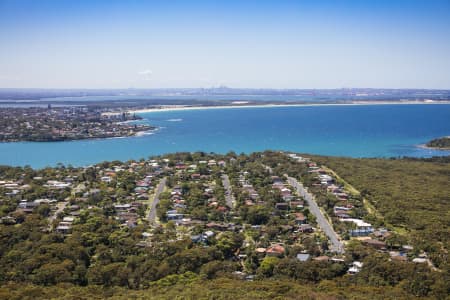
(240, 44)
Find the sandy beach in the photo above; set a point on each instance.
(424, 146)
(165, 108)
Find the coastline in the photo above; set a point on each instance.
(424, 146)
(166, 108)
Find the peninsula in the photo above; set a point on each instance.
(439, 143)
(65, 123)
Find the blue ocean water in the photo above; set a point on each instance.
(355, 131)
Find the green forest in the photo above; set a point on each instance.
(411, 195)
(220, 289)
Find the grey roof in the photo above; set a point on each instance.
(303, 256)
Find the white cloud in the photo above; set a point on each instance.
(146, 74)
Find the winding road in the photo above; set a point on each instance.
(336, 245)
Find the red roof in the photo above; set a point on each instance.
(278, 249)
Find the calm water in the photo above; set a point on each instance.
(357, 131)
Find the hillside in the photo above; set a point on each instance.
(211, 226)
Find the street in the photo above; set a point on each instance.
(159, 190)
(323, 223)
(228, 192)
(60, 206)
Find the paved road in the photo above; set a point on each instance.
(336, 245)
(228, 192)
(159, 190)
(60, 206)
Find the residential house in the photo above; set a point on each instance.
(303, 256)
(276, 250)
(300, 218)
(305, 228)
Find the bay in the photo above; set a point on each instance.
(345, 130)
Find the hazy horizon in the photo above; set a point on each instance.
(52, 44)
(224, 87)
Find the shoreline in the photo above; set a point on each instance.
(167, 108)
(425, 147)
(138, 133)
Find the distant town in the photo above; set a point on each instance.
(65, 123)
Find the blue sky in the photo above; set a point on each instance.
(260, 44)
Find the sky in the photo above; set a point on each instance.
(241, 44)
